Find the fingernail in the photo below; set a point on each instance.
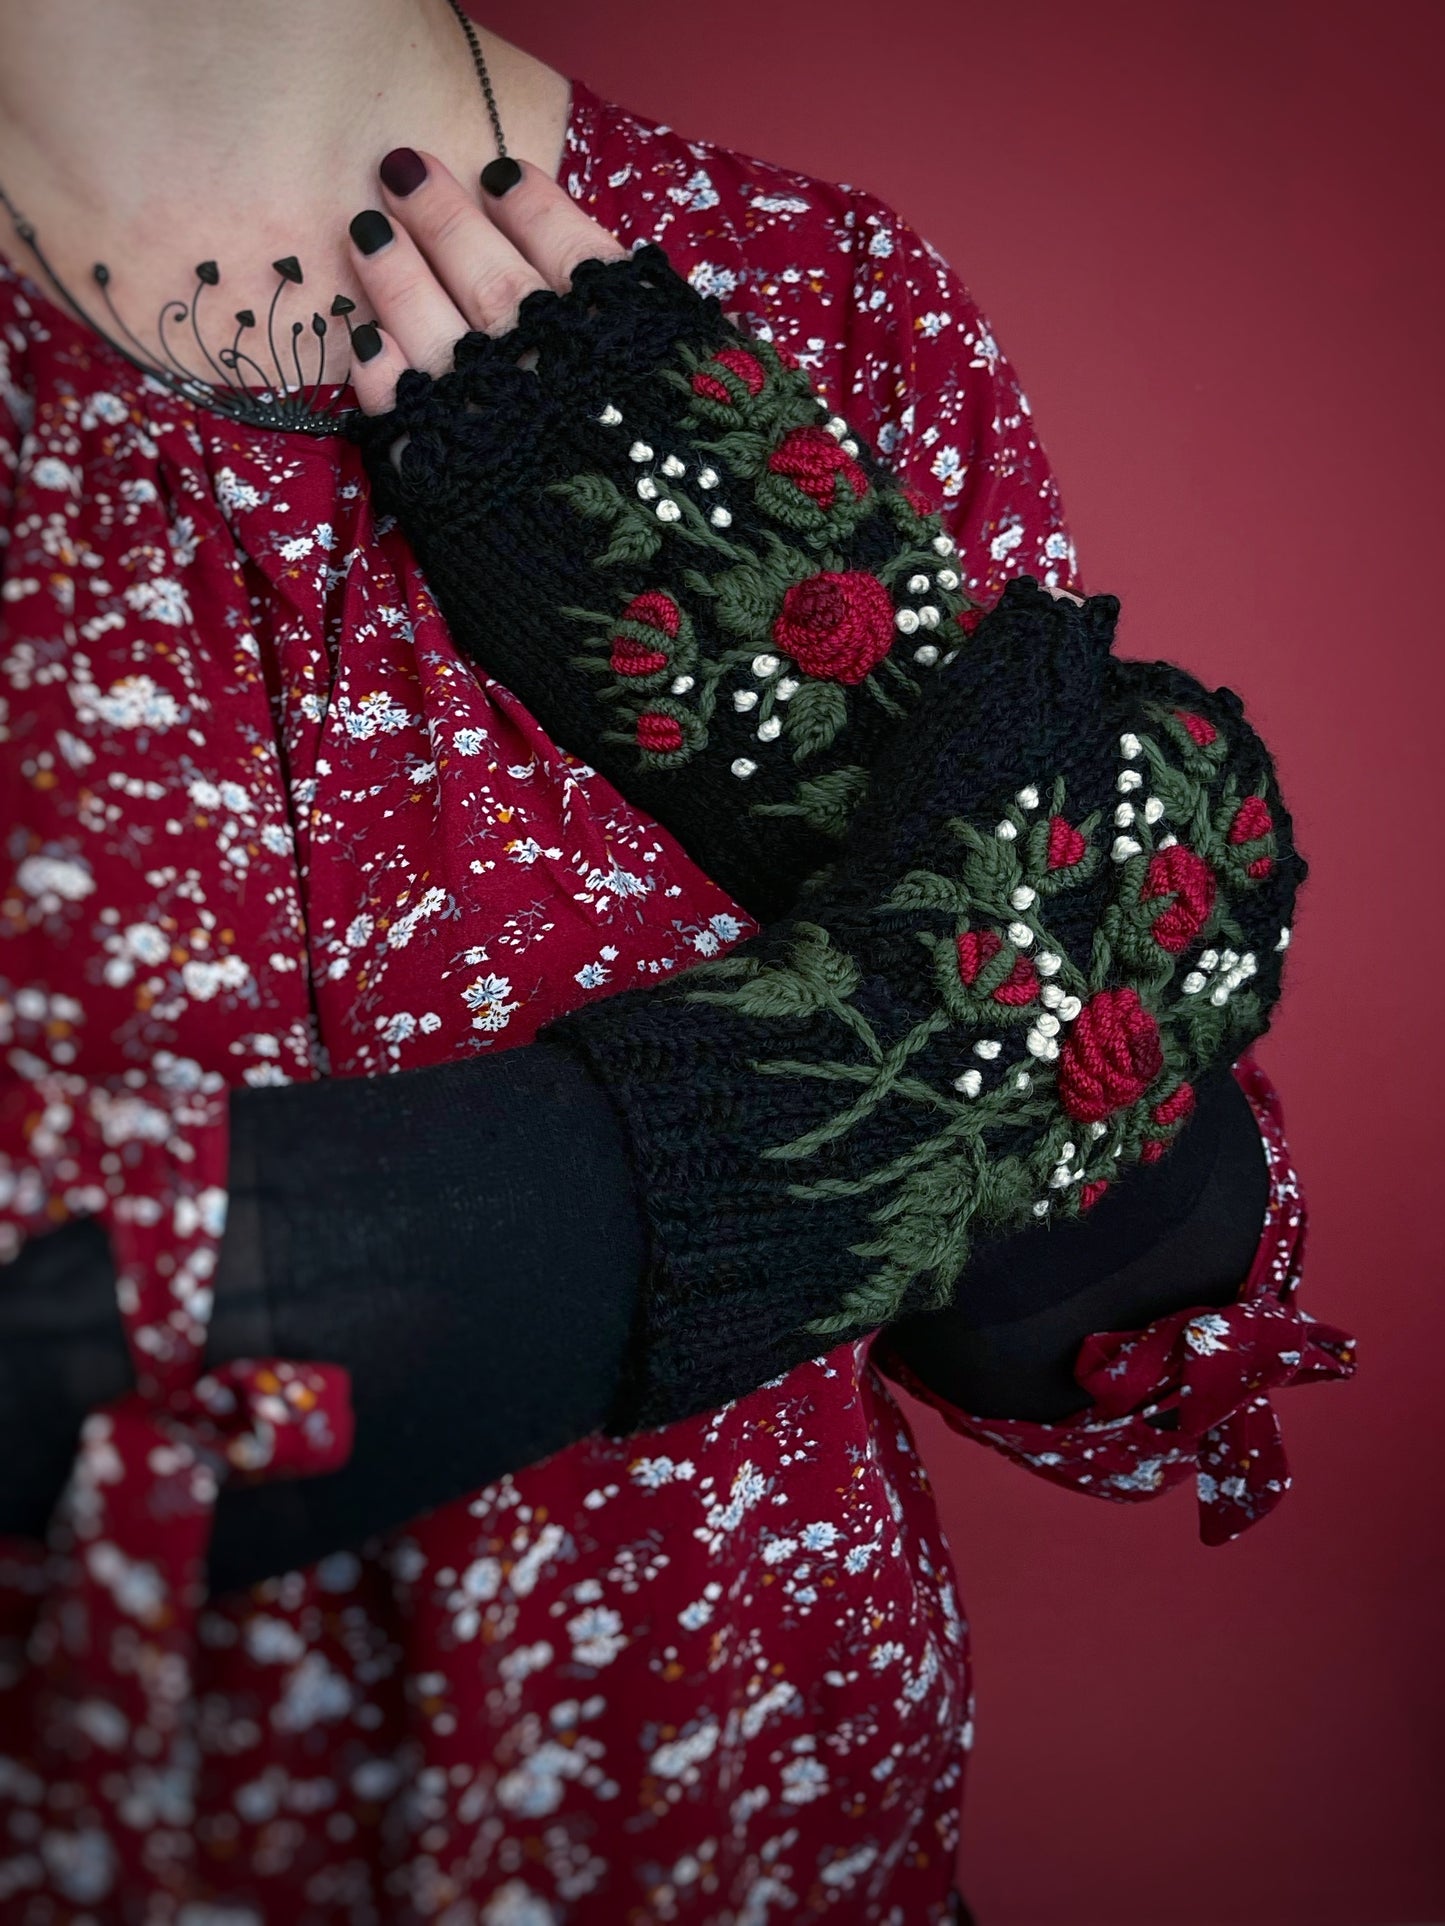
(365, 341)
(403, 170)
(370, 229)
(500, 176)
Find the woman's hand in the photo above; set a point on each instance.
(442, 264)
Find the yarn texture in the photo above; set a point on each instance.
(725, 602)
(1024, 893)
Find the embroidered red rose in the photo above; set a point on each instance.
(1152, 1151)
(634, 658)
(1176, 1106)
(1091, 1193)
(657, 732)
(918, 501)
(1066, 844)
(836, 627)
(978, 947)
(816, 463)
(1111, 1056)
(1202, 730)
(975, 947)
(748, 369)
(1182, 872)
(1251, 820)
(656, 610)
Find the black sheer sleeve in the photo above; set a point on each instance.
(467, 1241)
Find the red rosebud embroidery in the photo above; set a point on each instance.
(812, 459)
(1180, 871)
(836, 627)
(1091, 1193)
(748, 369)
(657, 732)
(918, 501)
(1152, 1151)
(1111, 1057)
(975, 947)
(657, 610)
(1020, 986)
(631, 658)
(1261, 866)
(1066, 844)
(1176, 1106)
(1202, 730)
(1252, 819)
(969, 619)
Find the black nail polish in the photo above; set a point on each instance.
(500, 176)
(371, 229)
(403, 170)
(365, 341)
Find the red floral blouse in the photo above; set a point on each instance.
(264, 824)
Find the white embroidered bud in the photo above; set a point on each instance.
(1228, 958)
(1052, 995)
(1041, 1208)
(745, 699)
(647, 489)
(907, 621)
(1067, 1152)
(672, 466)
(1047, 1023)
(1020, 934)
(1209, 959)
(947, 578)
(1194, 983)
(918, 585)
(1006, 831)
(681, 684)
(1023, 1081)
(1129, 779)
(1153, 809)
(1097, 1130)
(1048, 962)
(707, 478)
(928, 616)
(1059, 1179)
(1220, 993)
(610, 416)
(1023, 896)
(770, 730)
(850, 447)
(837, 427)
(1283, 943)
(668, 511)
(987, 1048)
(943, 544)
(1124, 815)
(766, 665)
(786, 689)
(1124, 848)
(970, 1083)
(925, 655)
(743, 768)
(1130, 746)
(1168, 842)
(1069, 1009)
(721, 517)
(639, 451)
(1027, 798)
(1041, 1046)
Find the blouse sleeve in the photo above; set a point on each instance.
(1190, 1393)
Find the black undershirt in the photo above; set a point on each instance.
(466, 1240)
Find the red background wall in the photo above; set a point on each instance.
(1208, 237)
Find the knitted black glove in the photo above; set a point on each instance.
(1067, 895)
(692, 577)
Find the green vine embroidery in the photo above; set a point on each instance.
(998, 969)
(796, 625)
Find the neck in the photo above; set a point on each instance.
(150, 137)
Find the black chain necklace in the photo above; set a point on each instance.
(289, 402)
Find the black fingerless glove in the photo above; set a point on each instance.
(689, 572)
(1067, 897)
